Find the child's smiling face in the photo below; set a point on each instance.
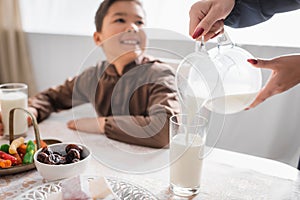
(121, 35)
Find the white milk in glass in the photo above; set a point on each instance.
(186, 170)
(187, 150)
(14, 100)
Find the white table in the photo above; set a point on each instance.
(226, 174)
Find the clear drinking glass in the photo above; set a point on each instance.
(187, 141)
(14, 95)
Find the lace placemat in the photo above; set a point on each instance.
(14, 185)
(219, 182)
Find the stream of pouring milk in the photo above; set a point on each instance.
(187, 148)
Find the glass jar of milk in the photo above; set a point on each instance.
(14, 95)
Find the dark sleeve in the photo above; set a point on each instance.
(250, 12)
(73, 92)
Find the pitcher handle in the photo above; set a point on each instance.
(224, 40)
(34, 122)
(200, 46)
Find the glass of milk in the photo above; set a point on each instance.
(187, 141)
(14, 95)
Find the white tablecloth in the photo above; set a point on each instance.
(226, 175)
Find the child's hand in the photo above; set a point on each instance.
(91, 125)
(34, 112)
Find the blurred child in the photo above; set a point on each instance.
(133, 94)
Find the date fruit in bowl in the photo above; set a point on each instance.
(64, 160)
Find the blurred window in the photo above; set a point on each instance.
(77, 17)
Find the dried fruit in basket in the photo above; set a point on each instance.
(42, 143)
(22, 149)
(5, 163)
(6, 156)
(18, 157)
(15, 144)
(30, 146)
(28, 158)
(4, 148)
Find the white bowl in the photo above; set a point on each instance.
(56, 172)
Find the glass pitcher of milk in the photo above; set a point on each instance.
(220, 79)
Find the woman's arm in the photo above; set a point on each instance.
(250, 12)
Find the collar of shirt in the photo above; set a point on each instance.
(111, 70)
